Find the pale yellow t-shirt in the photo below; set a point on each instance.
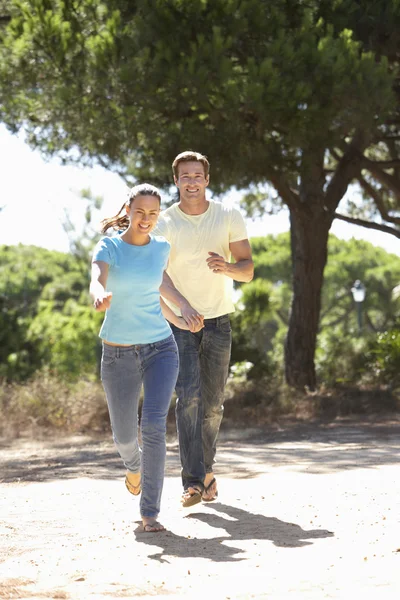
(191, 238)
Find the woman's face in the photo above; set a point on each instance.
(143, 213)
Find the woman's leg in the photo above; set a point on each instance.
(122, 380)
(160, 369)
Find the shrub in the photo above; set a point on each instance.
(383, 358)
(48, 402)
(340, 359)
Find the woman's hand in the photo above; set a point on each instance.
(181, 323)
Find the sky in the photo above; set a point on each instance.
(35, 193)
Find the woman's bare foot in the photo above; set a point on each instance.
(151, 525)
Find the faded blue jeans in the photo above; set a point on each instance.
(123, 371)
(204, 365)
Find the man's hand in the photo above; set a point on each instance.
(194, 320)
(217, 263)
(103, 301)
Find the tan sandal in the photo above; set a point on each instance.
(189, 499)
(133, 489)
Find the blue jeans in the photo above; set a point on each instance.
(204, 364)
(123, 371)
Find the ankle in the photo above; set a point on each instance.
(209, 477)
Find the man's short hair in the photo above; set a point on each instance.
(190, 156)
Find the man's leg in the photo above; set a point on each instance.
(214, 369)
(189, 411)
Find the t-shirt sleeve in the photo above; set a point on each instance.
(103, 251)
(162, 227)
(166, 254)
(237, 231)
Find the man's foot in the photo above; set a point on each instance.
(132, 482)
(152, 525)
(191, 496)
(210, 492)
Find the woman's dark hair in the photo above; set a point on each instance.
(121, 222)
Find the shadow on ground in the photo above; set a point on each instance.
(242, 453)
(239, 525)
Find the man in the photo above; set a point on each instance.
(203, 234)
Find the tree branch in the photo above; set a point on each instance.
(288, 195)
(387, 164)
(393, 183)
(375, 195)
(367, 224)
(349, 167)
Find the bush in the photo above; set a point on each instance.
(48, 402)
(383, 358)
(340, 359)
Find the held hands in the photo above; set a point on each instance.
(103, 301)
(181, 323)
(191, 318)
(217, 263)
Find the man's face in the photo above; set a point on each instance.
(191, 181)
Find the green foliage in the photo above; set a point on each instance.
(383, 357)
(376, 268)
(46, 315)
(268, 78)
(340, 357)
(67, 339)
(261, 321)
(288, 93)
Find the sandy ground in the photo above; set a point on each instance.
(304, 512)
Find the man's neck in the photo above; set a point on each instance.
(195, 208)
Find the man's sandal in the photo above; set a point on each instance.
(208, 489)
(133, 489)
(189, 499)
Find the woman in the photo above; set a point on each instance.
(138, 345)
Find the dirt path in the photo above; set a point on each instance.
(303, 513)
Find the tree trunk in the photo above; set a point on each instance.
(309, 245)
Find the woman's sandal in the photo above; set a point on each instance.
(207, 490)
(133, 489)
(189, 499)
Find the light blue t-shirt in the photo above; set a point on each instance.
(134, 278)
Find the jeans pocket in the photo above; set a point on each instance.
(225, 326)
(168, 344)
(108, 358)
